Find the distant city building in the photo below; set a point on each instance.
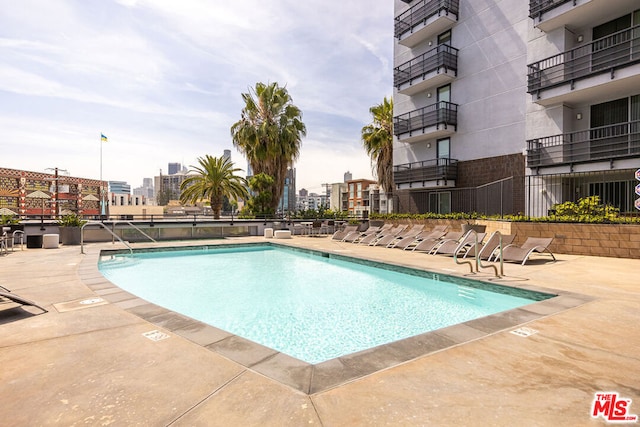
(348, 176)
(130, 207)
(358, 201)
(335, 199)
(175, 168)
(288, 200)
(119, 187)
(28, 193)
(303, 192)
(227, 154)
(312, 201)
(167, 187)
(146, 190)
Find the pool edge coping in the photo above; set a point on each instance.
(315, 378)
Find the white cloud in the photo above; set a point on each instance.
(163, 79)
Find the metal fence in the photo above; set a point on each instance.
(496, 198)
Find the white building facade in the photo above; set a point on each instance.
(505, 107)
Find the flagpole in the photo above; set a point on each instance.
(101, 189)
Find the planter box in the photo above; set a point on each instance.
(70, 235)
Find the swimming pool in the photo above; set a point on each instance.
(306, 304)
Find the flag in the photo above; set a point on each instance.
(103, 138)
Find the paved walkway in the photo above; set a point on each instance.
(87, 362)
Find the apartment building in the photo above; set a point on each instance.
(504, 107)
(583, 114)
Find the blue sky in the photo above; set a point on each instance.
(163, 80)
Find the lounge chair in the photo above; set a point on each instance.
(389, 238)
(460, 246)
(490, 249)
(521, 253)
(340, 234)
(437, 232)
(372, 238)
(4, 293)
(371, 231)
(426, 245)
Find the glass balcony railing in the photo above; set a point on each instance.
(621, 140)
(421, 12)
(603, 55)
(442, 56)
(426, 170)
(440, 113)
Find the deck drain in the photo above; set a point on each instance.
(156, 335)
(91, 301)
(524, 332)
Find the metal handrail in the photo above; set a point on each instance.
(495, 269)
(103, 226)
(455, 253)
(113, 224)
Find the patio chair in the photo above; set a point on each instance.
(532, 244)
(490, 249)
(340, 234)
(437, 232)
(388, 238)
(460, 246)
(356, 236)
(372, 238)
(10, 296)
(426, 245)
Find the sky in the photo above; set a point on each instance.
(163, 80)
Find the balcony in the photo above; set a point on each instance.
(425, 19)
(571, 75)
(606, 143)
(538, 7)
(434, 121)
(433, 68)
(549, 15)
(424, 174)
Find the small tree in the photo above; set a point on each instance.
(261, 186)
(214, 179)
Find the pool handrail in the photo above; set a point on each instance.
(105, 227)
(475, 242)
(114, 223)
(499, 249)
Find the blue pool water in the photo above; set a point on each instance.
(311, 307)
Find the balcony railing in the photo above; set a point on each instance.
(440, 113)
(611, 142)
(538, 7)
(602, 55)
(426, 170)
(442, 56)
(421, 11)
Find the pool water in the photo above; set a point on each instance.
(311, 307)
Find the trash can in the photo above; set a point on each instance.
(34, 241)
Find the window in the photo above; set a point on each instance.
(444, 38)
(443, 151)
(359, 190)
(440, 202)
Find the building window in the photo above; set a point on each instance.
(440, 202)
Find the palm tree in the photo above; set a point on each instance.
(269, 134)
(214, 179)
(377, 138)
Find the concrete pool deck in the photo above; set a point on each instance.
(91, 364)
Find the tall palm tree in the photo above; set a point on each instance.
(269, 133)
(213, 180)
(377, 138)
